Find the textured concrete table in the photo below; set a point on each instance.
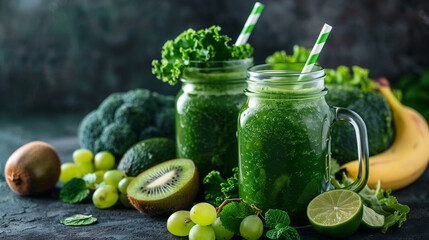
(38, 217)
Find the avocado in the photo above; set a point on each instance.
(145, 154)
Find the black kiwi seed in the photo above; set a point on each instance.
(159, 174)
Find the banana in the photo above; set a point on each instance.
(407, 158)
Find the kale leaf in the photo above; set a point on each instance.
(217, 189)
(203, 46)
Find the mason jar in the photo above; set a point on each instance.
(284, 141)
(207, 106)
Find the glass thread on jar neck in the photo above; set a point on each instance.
(285, 81)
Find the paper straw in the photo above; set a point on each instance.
(317, 48)
(250, 23)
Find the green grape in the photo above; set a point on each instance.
(251, 227)
(221, 232)
(104, 161)
(123, 198)
(105, 196)
(82, 156)
(123, 184)
(203, 214)
(100, 176)
(180, 223)
(112, 177)
(85, 168)
(202, 233)
(69, 171)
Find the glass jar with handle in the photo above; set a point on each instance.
(284, 141)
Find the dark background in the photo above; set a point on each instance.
(62, 55)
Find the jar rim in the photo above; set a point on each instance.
(285, 79)
(276, 73)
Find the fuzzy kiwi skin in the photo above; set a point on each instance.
(33, 168)
(177, 201)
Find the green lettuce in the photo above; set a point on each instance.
(203, 46)
(382, 202)
(217, 189)
(300, 55)
(358, 77)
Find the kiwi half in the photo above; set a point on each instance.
(164, 188)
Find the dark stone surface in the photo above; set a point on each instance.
(62, 54)
(38, 217)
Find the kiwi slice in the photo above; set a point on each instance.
(164, 188)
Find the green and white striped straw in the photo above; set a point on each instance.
(317, 48)
(250, 23)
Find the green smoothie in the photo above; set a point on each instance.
(213, 74)
(283, 151)
(283, 138)
(283, 144)
(206, 115)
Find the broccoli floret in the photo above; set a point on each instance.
(116, 138)
(138, 97)
(149, 132)
(165, 120)
(163, 101)
(137, 116)
(375, 112)
(109, 106)
(89, 130)
(124, 118)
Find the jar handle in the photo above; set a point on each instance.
(344, 114)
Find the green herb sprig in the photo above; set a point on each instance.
(381, 202)
(278, 222)
(217, 189)
(203, 46)
(77, 189)
(341, 75)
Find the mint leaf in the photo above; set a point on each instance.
(79, 220)
(273, 217)
(290, 233)
(286, 232)
(279, 221)
(274, 234)
(233, 213)
(74, 191)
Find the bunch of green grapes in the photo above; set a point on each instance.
(110, 184)
(199, 223)
(202, 223)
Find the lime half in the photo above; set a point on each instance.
(371, 219)
(336, 213)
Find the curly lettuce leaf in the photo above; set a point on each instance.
(203, 46)
(217, 189)
(300, 54)
(381, 202)
(213, 190)
(342, 75)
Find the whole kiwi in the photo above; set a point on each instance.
(33, 168)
